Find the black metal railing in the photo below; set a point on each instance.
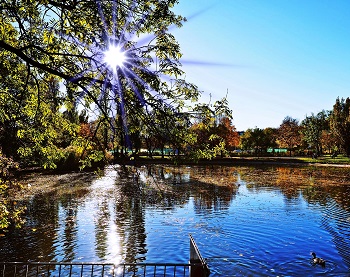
(196, 267)
(31, 269)
(200, 267)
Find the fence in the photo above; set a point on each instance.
(195, 268)
(31, 269)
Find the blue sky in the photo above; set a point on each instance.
(276, 58)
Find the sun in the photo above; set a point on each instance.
(114, 57)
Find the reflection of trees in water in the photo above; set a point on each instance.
(131, 224)
(37, 240)
(294, 177)
(212, 187)
(101, 228)
(129, 215)
(327, 187)
(341, 195)
(70, 230)
(69, 203)
(166, 187)
(214, 198)
(53, 217)
(292, 180)
(38, 231)
(337, 222)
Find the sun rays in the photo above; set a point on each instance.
(126, 67)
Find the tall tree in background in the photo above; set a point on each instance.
(258, 139)
(340, 123)
(14, 79)
(270, 137)
(228, 132)
(329, 142)
(252, 139)
(312, 129)
(213, 131)
(289, 134)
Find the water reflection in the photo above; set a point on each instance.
(336, 221)
(129, 210)
(101, 228)
(263, 221)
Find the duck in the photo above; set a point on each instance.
(317, 260)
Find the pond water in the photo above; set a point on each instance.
(247, 221)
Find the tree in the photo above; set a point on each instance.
(228, 132)
(12, 101)
(68, 41)
(328, 141)
(270, 137)
(30, 120)
(250, 139)
(213, 131)
(289, 134)
(340, 123)
(312, 129)
(258, 139)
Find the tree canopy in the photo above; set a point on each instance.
(289, 133)
(340, 123)
(313, 128)
(259, 139)
(54, 57)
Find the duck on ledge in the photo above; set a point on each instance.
(316, 260)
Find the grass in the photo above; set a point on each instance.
(327, 159)
(324, 159)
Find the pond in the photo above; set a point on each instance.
(247, 221)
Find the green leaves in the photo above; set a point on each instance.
(10, 211)
(51, 54)
(340, 123)
(312, 129)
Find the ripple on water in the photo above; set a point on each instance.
(262, 236)
(256, 232)
(252, 266)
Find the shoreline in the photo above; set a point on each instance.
(227, 161)
(232, 161)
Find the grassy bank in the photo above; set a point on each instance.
(245, 160)
(327, 159)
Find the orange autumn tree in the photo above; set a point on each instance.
(212, 131)
(227, 131)
(289, 134)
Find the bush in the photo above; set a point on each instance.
(69, 160)
(74, 159)
(10, 211)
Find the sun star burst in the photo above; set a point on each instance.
(114, 57)
(121, 61)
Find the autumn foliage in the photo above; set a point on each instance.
(228, 132)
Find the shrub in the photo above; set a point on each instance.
(10, 211)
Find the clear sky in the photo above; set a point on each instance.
(276, 58)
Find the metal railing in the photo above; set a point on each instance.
(195, 268)
(200, 267)
(31, 269)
